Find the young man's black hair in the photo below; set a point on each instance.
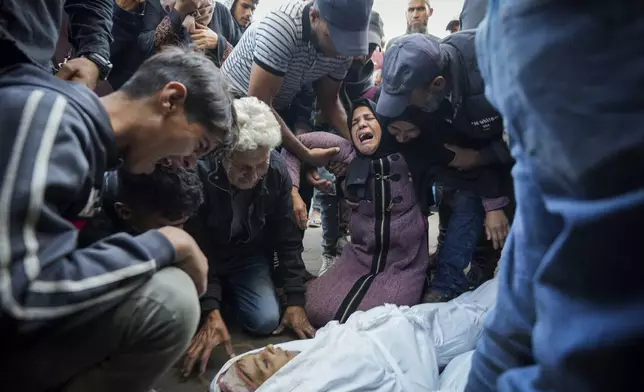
(135, 203)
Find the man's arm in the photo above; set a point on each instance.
(90, 23)
(46, 277)
(495, 153)
(286, 238)
(272, 58)
(264, 85)
(327, 90)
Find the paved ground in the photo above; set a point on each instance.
(173, 382)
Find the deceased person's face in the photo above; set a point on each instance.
(252, 370)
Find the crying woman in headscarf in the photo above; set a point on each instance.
(388, 254)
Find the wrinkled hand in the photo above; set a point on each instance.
(339, 169)
(320, 157)
(497, 227)
(188, 256)
(300, 215)
(213, 333)
(295, 319)
(313, 178)
(204, 38)
(464, 158)
(80, 70)
(129, 5)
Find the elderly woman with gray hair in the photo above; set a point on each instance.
(246, 217)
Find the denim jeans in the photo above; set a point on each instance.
(570, 309)
(251, 286)
(328, 205)
(461, 236)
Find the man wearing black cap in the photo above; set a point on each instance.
(421, 72)
(442, 78)
(295, 45)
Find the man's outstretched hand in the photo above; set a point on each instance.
(213, 333)
(295, 319)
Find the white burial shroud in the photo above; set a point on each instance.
(388, 349)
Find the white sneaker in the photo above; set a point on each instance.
(327, 262)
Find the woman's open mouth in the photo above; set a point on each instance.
(365, 137)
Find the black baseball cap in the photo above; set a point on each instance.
(412, 61)
(348, 22)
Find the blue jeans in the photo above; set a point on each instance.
(455, 253)
(570, 309)
(251, 285)
(328, 205)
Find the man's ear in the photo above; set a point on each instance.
(431, 12)
(172, 97)
(437, 85)
(123, 212)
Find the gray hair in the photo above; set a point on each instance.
(257, 125)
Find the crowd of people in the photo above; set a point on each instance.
(161, 161)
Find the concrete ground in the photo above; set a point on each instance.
(172, 381)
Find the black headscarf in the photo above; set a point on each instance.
(422, 154)
(361, 167)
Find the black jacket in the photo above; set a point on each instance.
(29, 29)
(271, 229)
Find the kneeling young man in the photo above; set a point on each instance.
(246, 216)
(112, 316)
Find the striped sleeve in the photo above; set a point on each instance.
(275, 42)
(340, 71)
(43, 275)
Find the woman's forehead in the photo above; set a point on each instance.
(361, 111)
(402, 125)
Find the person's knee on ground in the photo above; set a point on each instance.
(263, 321)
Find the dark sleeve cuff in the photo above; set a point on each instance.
(495, 204)
(488, 156)
(268, 68)
(295, 299)
(496, 152)
(209, 304)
